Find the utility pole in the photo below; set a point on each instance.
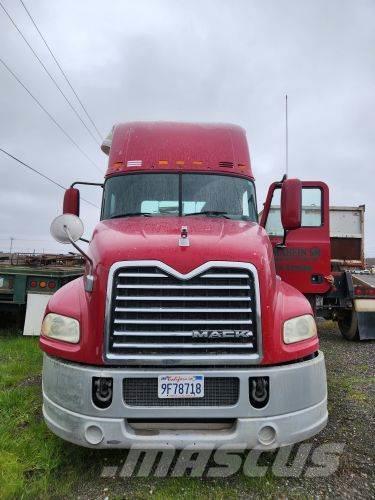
(11, 246)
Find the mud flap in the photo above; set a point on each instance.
(35, 307)
(366, 325)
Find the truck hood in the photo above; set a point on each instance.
(211, 239)
(157, 238)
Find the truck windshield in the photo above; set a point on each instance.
(158, 194)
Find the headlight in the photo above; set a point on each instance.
(300, 328)
(60, 327)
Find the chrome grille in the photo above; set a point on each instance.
(218, 391)
(158, 317)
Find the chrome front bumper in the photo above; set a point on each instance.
(297, 408)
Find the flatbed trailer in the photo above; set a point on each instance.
(26, 288)
(367, 280)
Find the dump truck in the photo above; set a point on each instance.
(351, 300)
(338, 260)
(191, 326)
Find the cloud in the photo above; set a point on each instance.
(195, 61)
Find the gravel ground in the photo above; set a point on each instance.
(351, 403)
(350, 372)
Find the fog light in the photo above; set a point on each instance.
(94, 434)
(267, 435)
(259, 391)
(102, 391)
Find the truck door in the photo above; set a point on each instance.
(305, 260)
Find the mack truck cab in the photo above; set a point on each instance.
(181, 332)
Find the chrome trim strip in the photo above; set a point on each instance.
(224, 275)
(163, 334)
(183, 360)
(142, 275)
(197, 321)
(180, 309)
(188, 287)
(246, 298)
(185, 345)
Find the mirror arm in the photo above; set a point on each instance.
(283, 243)
(87, 184)
(89, 278)
(77, 247)
(84, 240)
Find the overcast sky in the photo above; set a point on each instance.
(192, 60)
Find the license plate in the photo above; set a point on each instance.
(180, 386)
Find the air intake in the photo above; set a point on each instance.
(226, 164)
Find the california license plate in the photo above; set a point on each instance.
(180, 386)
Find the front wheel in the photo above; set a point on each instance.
(348, 325)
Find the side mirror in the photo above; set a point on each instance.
(71, 202)
(291, 204)
(67, 228)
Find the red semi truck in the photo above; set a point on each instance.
(182, 331)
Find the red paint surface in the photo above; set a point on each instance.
(315, 241)
(170, 142)
(291, 203)
(71, 201)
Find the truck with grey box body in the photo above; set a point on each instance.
(351, 301)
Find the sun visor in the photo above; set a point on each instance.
(107, 143)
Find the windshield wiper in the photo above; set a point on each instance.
(131, 214)
(213, 213)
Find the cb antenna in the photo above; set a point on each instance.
(286, 137)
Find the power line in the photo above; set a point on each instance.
(42, 175)
(49, 74)
(62, 71)
(50, 116)
(23, 239)
(33, 169)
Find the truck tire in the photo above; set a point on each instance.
(348, 325)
